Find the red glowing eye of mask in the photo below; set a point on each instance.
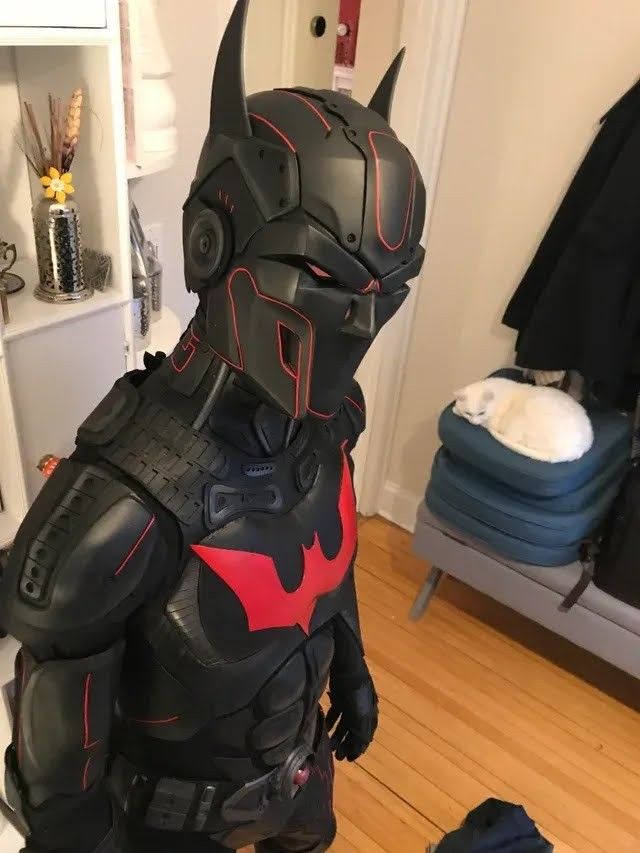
(317, 271)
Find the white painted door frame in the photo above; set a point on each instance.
(432, 33)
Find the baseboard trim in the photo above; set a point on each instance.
(399, 505)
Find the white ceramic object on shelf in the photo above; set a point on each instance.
(154, 101)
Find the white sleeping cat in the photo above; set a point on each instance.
(543, 423)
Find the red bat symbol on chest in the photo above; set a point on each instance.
(255, 580)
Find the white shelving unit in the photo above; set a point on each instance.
(58, 361)
(47, 349)
(30, 315)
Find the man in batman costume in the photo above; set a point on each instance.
(183, 585)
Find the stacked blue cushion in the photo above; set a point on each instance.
(529, 511)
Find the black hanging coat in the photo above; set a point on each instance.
(578, 305)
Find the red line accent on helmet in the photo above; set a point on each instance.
(276, 130)
(381, 237)
(295, 375)
(309, 104)
(190, 345)
(135, 547)
(374, 284)
(285, 366)
(287, 307)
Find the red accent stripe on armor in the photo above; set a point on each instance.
(88, 743)
(154, 722)
(388, 246)
(374, 284)
(309, 104)
(318, 271)
(23, 681)
(356, 405)
(189, 345)
(85, 775)
(321, 415)
(276, 130)
(135, 547)
(294, 374)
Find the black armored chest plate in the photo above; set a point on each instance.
(268, 547)
(279, 544)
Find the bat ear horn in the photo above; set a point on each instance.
(229, 114)
(383, 96)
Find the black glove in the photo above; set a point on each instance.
(354, 708)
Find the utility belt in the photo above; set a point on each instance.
(205, 806)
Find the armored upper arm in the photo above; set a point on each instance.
(86, 556)
(81, 562)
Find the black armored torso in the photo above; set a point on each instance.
(225, 667)
(224, 556)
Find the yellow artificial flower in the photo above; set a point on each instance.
(56, 185)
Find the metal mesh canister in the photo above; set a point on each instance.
(59, 252)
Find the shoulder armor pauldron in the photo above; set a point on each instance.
(81, 554)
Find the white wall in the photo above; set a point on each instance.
(533, 80)
(15, 211)
(191, 30)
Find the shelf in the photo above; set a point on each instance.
(55, 36)
(29, 314)
(165, 334)
(151, 163)
(8, 528)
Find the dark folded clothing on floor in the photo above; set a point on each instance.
(495, 827)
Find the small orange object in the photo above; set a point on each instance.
(48, 464)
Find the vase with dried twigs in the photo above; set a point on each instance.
(56, 220)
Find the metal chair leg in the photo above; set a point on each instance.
(426, 593)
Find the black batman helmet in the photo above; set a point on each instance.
(301, 230)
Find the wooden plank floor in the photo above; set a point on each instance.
(477, 701)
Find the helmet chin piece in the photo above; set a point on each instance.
(261, 336)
